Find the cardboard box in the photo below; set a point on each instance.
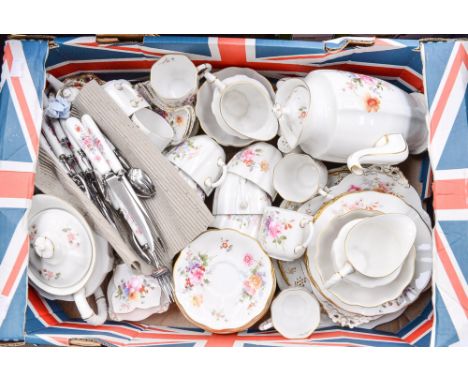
(438, 68)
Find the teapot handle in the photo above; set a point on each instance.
(390, 149)
(287, 141)
(86, 312)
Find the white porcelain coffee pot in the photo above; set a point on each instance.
(345, 117)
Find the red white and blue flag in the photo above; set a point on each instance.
(398, 61)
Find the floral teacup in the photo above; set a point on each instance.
(285, 234)
(256, 163)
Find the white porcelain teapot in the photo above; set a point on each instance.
(345, 117)
(67, 261)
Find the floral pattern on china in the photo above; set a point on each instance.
(186, 150)
(276, 228)
(368, 88)
(248, 158)
(223, 280)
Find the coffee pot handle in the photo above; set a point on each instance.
(389, 150)
(288, 140)
(86, 312)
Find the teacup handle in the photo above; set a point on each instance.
(390, 149)
(265, 325)
(202, 69)
(341, 274)
(86, 312)
(211, 184)
(212, 79)
(309, 238)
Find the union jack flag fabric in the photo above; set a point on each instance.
(398, 61)
(446, 79)
(21, 88)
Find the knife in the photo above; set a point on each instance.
(111, 172)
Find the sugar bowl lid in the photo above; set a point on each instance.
(62, 248)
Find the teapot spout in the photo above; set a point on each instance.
(391, 149)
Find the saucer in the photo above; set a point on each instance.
(376, 178)
(223, 281)
(384, 203)
(206, 117)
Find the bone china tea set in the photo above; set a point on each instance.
(349, 246)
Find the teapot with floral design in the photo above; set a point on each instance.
(345, 117)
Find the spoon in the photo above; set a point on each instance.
(138, 179)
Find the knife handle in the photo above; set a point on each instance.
(101, 141)
(86, 141)
(59, 133)
(55, 145)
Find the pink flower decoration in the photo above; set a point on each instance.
(274, 228)
(197, 273)
(247, 155)
(248, 259)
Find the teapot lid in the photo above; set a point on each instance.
(62, 248)
(292, 104)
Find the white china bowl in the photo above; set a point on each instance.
(298, 177)
(239, 196)
(256, 163)
(295, 313)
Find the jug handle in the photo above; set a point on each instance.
(390, 149)
(86, 312)
(212, 79)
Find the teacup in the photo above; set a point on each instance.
(123, 94)
(174, 79)
(256, 163)
(295, 314)
(202, 159)
(239, 196)
(285, 234)
(243, 107)
(298, 178)
(155, 126)
(247, 224)
(376, 246)
(192, 184)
